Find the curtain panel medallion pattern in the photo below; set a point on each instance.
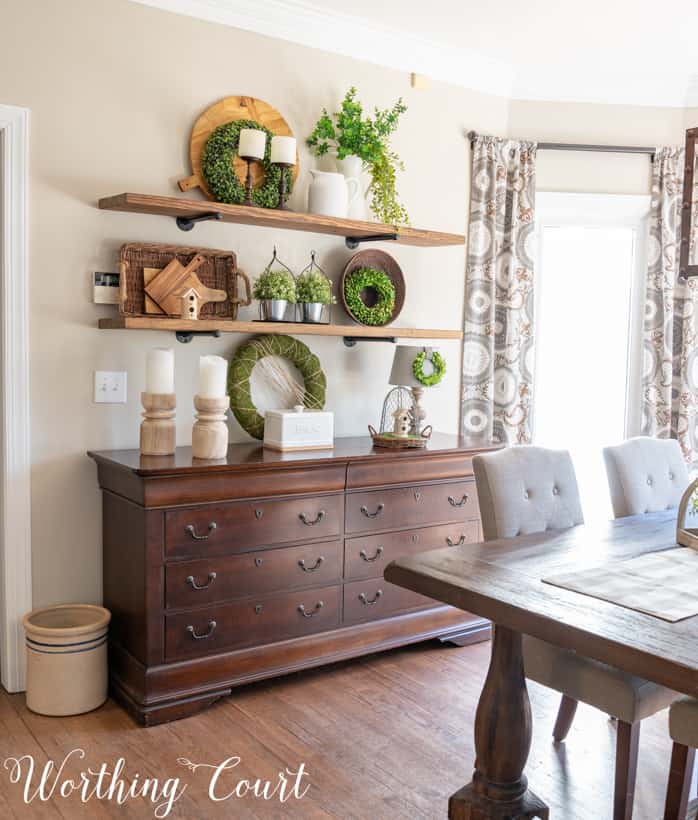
(498, 340)
(670, 334)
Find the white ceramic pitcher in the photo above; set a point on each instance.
(330, 194)
(352, 167)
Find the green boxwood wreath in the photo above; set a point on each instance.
(378, 281)
(242, 365)
(438, 363)
(219, 172)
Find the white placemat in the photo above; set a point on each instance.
(663, 584)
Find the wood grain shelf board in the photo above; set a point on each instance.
(295, 328)
(266, 217)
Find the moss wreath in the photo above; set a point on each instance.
(377, 280)
(438, 363)
(219, 172)
(242, 365)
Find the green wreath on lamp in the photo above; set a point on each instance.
(243, 363)
(378, 281)
(219, 172)
(438, 363)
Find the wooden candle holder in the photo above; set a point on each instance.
(158, 431)
(209, 436)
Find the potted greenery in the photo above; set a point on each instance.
(313, 292)
(347, 133)
(275, 289)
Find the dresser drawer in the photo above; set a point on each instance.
(368, 555)
(254, 621)
(193, 583)
(375, 598)
(413, 506)
(243, 525)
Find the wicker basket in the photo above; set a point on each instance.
(219, 271)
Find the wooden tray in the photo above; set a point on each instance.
(219, 270)
(392, 442)
(226, 110)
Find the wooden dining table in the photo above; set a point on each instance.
(502, 580)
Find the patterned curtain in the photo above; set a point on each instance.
(670, 371)
(498, 341)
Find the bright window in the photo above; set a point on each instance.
(589, 300)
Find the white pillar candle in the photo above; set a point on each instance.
(159, 370)
(252, 143)
(283, 149)
(213, 371)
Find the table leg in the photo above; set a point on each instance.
(499, 789)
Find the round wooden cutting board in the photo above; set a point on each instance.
(226, 110)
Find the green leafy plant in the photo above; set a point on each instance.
(438, 368)
(275, 284)
(314, 287)
(217, 166)
(348, 131)
(369, 279)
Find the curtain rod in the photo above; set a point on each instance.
(574, 146)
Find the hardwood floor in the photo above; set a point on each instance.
(389, 736)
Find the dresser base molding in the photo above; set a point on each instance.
(173, 691)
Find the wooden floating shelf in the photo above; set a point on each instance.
(295, 328)
(266, 217)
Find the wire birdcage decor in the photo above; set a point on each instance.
(274, 310)
(317, 313)
(399, 398)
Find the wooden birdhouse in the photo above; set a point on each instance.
(191, 302)
(402, 422)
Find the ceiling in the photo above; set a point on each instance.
(614, 51)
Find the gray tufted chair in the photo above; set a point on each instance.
(532, 489)
(647, 475)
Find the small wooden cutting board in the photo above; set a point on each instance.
(164, 288)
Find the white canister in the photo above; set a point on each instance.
(330, 194)
(299, 429)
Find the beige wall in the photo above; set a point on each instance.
(113, 88)
(601, 124)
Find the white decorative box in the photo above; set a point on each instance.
(299, 429)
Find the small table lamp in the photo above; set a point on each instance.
(402, 374)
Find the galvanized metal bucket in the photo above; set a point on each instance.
(273, 310)
(312, 312)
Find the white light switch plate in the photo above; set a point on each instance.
(110, 387)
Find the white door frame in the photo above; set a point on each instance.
(15, 470)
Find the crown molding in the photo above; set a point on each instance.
(310, 25)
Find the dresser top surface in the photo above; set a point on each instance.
(253, 454)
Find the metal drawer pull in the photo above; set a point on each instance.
(452, 501)
(364, 556)
(364, 600)
(379, 510)
(318, 606)
(258, 562)
(190, 529)
(211, 627)
(192, 582)
(458, 543)
(304, 518)
(315, 566)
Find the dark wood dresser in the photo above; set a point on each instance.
(221, 573)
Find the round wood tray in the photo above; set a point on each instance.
(380, 260)
(226, 110)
